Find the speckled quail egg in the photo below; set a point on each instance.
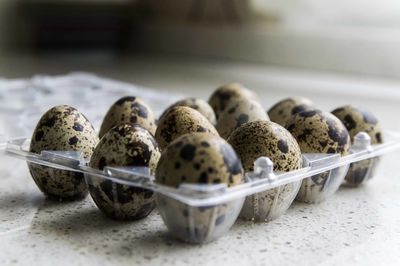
(199, 158)
(265, 138)
(239, 113)
(359, 120)
(123, 145)
(356, 120)
(199, 105)
(62, 128)
(178, 121)
(320, 132)
(282, 111)
(129, 109)
(228, 93)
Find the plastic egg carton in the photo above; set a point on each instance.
(23, 101)
(201, 213)
(192, 212)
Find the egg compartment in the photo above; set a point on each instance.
(321, 186)
(202, 213)
(121, 200)
(203, 223)
(362, 171)
(272, 203)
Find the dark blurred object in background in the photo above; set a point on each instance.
(79, 24)
(105, 24)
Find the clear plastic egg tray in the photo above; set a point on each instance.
(24, 101)
(200, 213)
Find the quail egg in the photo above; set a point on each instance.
(129, 109)
(123, 145)
(357, 120)
(62, 128)
(282, 111)
(228, 93)
(199, 105)
(178, 121)
(239, 113)
(199, 159)
(265, 138)
(320, 132)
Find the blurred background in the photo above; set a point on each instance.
(333, 51)
(345, 36)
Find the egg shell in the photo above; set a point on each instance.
(198, 158)
(239, 113)
(265, 138)
(123, 145)
(228, 93)
(199, 105)
(180, 120)
(357, 120)
(62, 128)
(320, 132)
(129, 109)
(282, 111)
(201, 158)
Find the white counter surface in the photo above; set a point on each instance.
(356, 226)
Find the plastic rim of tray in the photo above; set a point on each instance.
(261, 179)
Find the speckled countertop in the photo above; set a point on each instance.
(356, 226)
